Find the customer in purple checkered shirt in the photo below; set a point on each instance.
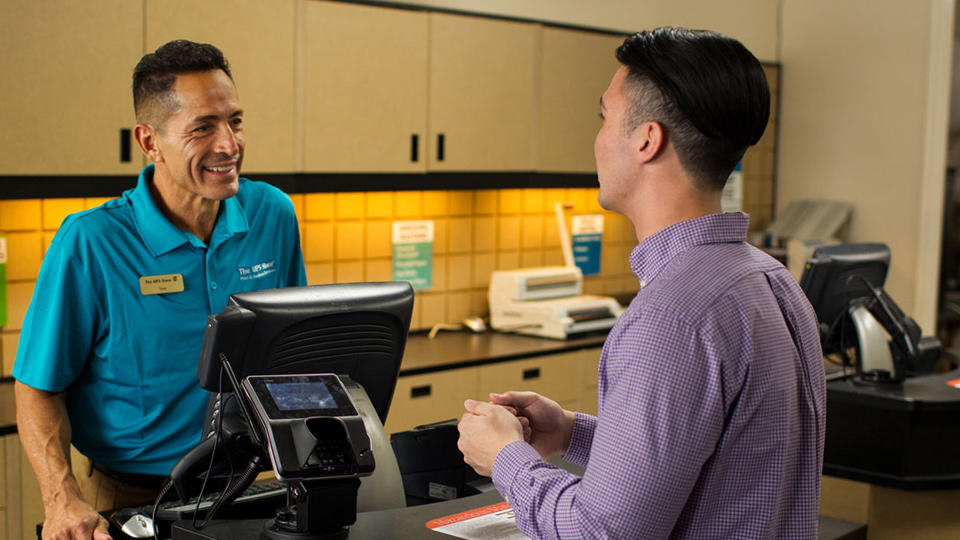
(711, 385)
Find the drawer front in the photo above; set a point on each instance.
(422, 399)
(591, 365)
(555, 376)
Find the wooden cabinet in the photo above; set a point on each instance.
(365, 88)
(563, 377)
(392, 90)
(257, 38)
(21, 508)
(325, 86)
(422, 399)
(588, 380)
(575, 69)
(482, 93)
(66, 70)
(556, 376)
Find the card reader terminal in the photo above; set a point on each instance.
(313, 427)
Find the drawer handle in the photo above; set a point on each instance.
(414, 148)
(124, 146)
(421, 391)
(532, 373)
(440, 148)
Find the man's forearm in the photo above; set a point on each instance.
(44, 430)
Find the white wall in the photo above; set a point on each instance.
(865, 94)
(753, 22)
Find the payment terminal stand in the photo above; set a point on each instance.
(317, 443)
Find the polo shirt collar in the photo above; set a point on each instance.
(161, 236)
(651, 255)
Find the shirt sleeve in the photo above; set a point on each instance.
(578, 452)
(62, 322)
(661, 419)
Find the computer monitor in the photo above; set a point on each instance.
(354, 329)
(836, 276)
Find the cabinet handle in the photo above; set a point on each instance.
(124, 145)
(414, 147)
(440, 146)
(532, 373)
(421, 391)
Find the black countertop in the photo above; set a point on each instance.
(450, 350)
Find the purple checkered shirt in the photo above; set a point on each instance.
(711, 405)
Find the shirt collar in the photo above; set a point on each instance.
(161, 236)
(653, 253)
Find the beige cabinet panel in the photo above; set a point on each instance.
(257, 38)
(422, 399)
(482, 93)
(66, 70)
(556, 376)
(575, 69)
(365, 88)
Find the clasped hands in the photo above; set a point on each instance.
(486, 428)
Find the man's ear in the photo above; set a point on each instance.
(650, 139)
(148, 139)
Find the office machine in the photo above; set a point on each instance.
(546, 302)
(844, 284)
(890, 422)
(311, 374)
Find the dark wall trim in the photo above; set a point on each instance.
(49, 187)
(482, 15)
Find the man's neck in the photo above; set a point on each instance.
(187, 211)
(667, 201)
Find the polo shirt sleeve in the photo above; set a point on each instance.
(659, 425)
(62, 322)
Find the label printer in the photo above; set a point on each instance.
(547, 302)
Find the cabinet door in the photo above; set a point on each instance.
(422, 399)
(575, 69)
(257, 38)
(556, 376)
(365, 88)
(482, 93)
(65, 75)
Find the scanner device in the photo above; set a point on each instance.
(313, 429)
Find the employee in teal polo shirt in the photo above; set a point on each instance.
(108, 352)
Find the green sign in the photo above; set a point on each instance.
(413, 253)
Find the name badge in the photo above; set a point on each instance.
(169, 283)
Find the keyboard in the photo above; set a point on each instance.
(257, 500)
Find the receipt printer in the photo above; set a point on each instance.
(312, 427)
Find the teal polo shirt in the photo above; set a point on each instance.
(127, 360)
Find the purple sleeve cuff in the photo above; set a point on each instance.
(578, 452)
(509, 462)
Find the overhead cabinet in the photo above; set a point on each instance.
(482, 94)
(365, 88)
(325, 86)
(575, 69)
(392, 90)
(257, 38)
(65, 83)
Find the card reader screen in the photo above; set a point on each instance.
(301, 396)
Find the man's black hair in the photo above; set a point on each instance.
(156, 72)
(708, 92)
